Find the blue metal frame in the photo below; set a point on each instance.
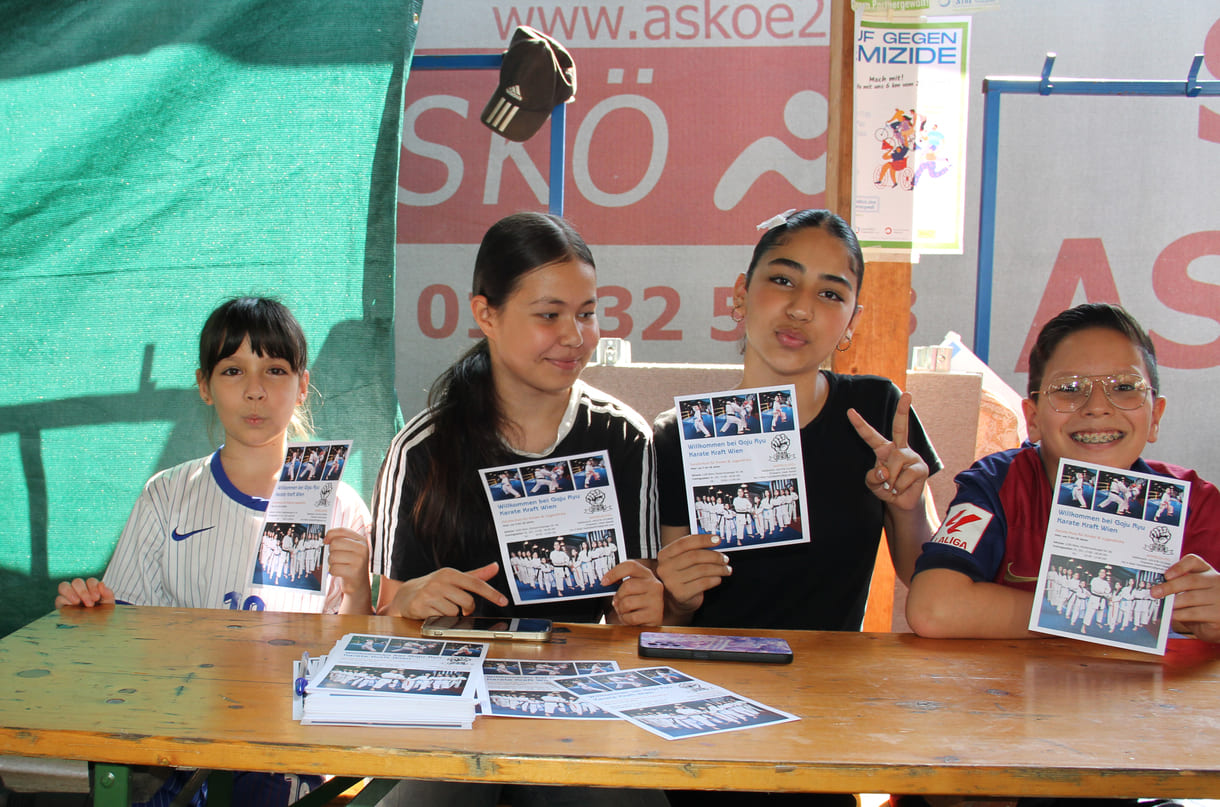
(993, 89)
(559, 118)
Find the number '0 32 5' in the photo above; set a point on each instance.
(439, 309)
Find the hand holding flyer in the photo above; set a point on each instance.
(292, 566)
(742, 456)
(558, 524)
(1111, 536)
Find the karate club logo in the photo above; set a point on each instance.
(780, 444)
(596, 499)
(1158, 538)
(324, 495)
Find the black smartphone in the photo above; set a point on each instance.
(715, 647)
(487, 627)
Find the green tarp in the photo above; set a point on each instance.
(157, 157)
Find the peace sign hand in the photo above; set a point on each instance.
(898, 477)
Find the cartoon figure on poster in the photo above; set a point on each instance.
(1119, 495)
(904, 134)
(505, 485)
(695, 418)
(1076, 486)
(1164, 503)
(930, 163)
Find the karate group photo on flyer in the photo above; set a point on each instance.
(743, 467)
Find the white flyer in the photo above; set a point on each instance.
(291, 570)
(520, 688)
(741, 452)
(672, 704)
(1112, 534)
(558, 525)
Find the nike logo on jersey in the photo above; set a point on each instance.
(182, 536)
(1011, 578)
(963, 527)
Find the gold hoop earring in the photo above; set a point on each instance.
(844, 348)
(737, 314)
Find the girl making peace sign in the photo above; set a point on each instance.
(866, 456)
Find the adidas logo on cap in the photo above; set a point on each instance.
(513, 92)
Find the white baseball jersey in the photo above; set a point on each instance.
(192, 536)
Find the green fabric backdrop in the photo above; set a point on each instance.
(157, 157)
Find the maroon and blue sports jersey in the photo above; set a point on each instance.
(996, 526)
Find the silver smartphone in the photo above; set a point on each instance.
(487, 627)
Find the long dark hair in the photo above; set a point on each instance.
(450, 510)
(821, 219)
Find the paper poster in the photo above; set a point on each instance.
(909, 155)
(741, 451)
(517, 688)
(1112, 534)
(672, 704)
(291, 569)
(558, 525)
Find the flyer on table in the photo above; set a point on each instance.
(521, 688)
(741, 451)
(1112, 534)
(291, 568)
(672, 704)
(558, 525)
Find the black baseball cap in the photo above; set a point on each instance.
(536, 75)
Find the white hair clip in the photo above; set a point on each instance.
(775, 221)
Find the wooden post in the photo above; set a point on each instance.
(880, 339)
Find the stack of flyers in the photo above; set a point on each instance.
(370, 679)
(518, 688)
(670, 703)
(1112, 534)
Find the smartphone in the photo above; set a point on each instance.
(715, 647)
(487, 627)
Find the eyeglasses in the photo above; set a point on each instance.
(1069, 393)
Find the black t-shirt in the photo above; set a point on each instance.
(594, 422)
(821, 585)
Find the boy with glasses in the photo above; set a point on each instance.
(1092, 397)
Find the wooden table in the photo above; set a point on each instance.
(880, 712)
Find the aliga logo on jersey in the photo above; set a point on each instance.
(963, 527)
